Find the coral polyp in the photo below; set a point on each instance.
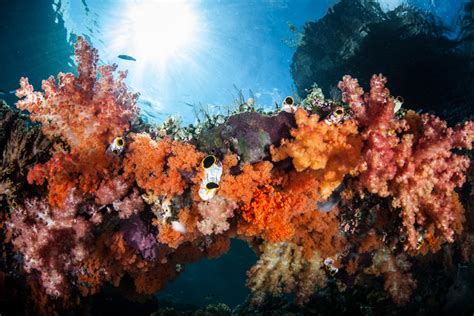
(82, 215)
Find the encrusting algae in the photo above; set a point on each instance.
(107, 199)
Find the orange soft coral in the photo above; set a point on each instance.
(240, 188)
(319, 232)
(332, 150)
(164, 167)
(303, 189)
(267, 215)
(171, 236)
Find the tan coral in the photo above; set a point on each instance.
(282, 269)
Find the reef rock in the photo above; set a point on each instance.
(21, 146)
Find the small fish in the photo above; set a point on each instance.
(329, 204)
(398, 104)
(332, 201)
(126, 57)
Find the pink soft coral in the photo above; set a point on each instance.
(86, 112)
(215, 215)
(410, 159)
(51, 240)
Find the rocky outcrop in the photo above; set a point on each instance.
(356, 37)
(248, 134)
(21, 146)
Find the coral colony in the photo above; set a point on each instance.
(320, 190)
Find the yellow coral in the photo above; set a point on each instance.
(332, 150)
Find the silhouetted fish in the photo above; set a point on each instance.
(332, 200)
(210, 297)
(2, 91)
(126, 57)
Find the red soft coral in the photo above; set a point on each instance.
(66, 107)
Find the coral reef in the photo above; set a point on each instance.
(333, 196)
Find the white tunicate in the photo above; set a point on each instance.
(211, 174)
(177, 226)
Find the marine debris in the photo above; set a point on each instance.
(92, 197)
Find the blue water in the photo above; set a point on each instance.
(213, 281)
(236, 45)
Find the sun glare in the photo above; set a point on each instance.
(158, 30)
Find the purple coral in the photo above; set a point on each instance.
(139, 236)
